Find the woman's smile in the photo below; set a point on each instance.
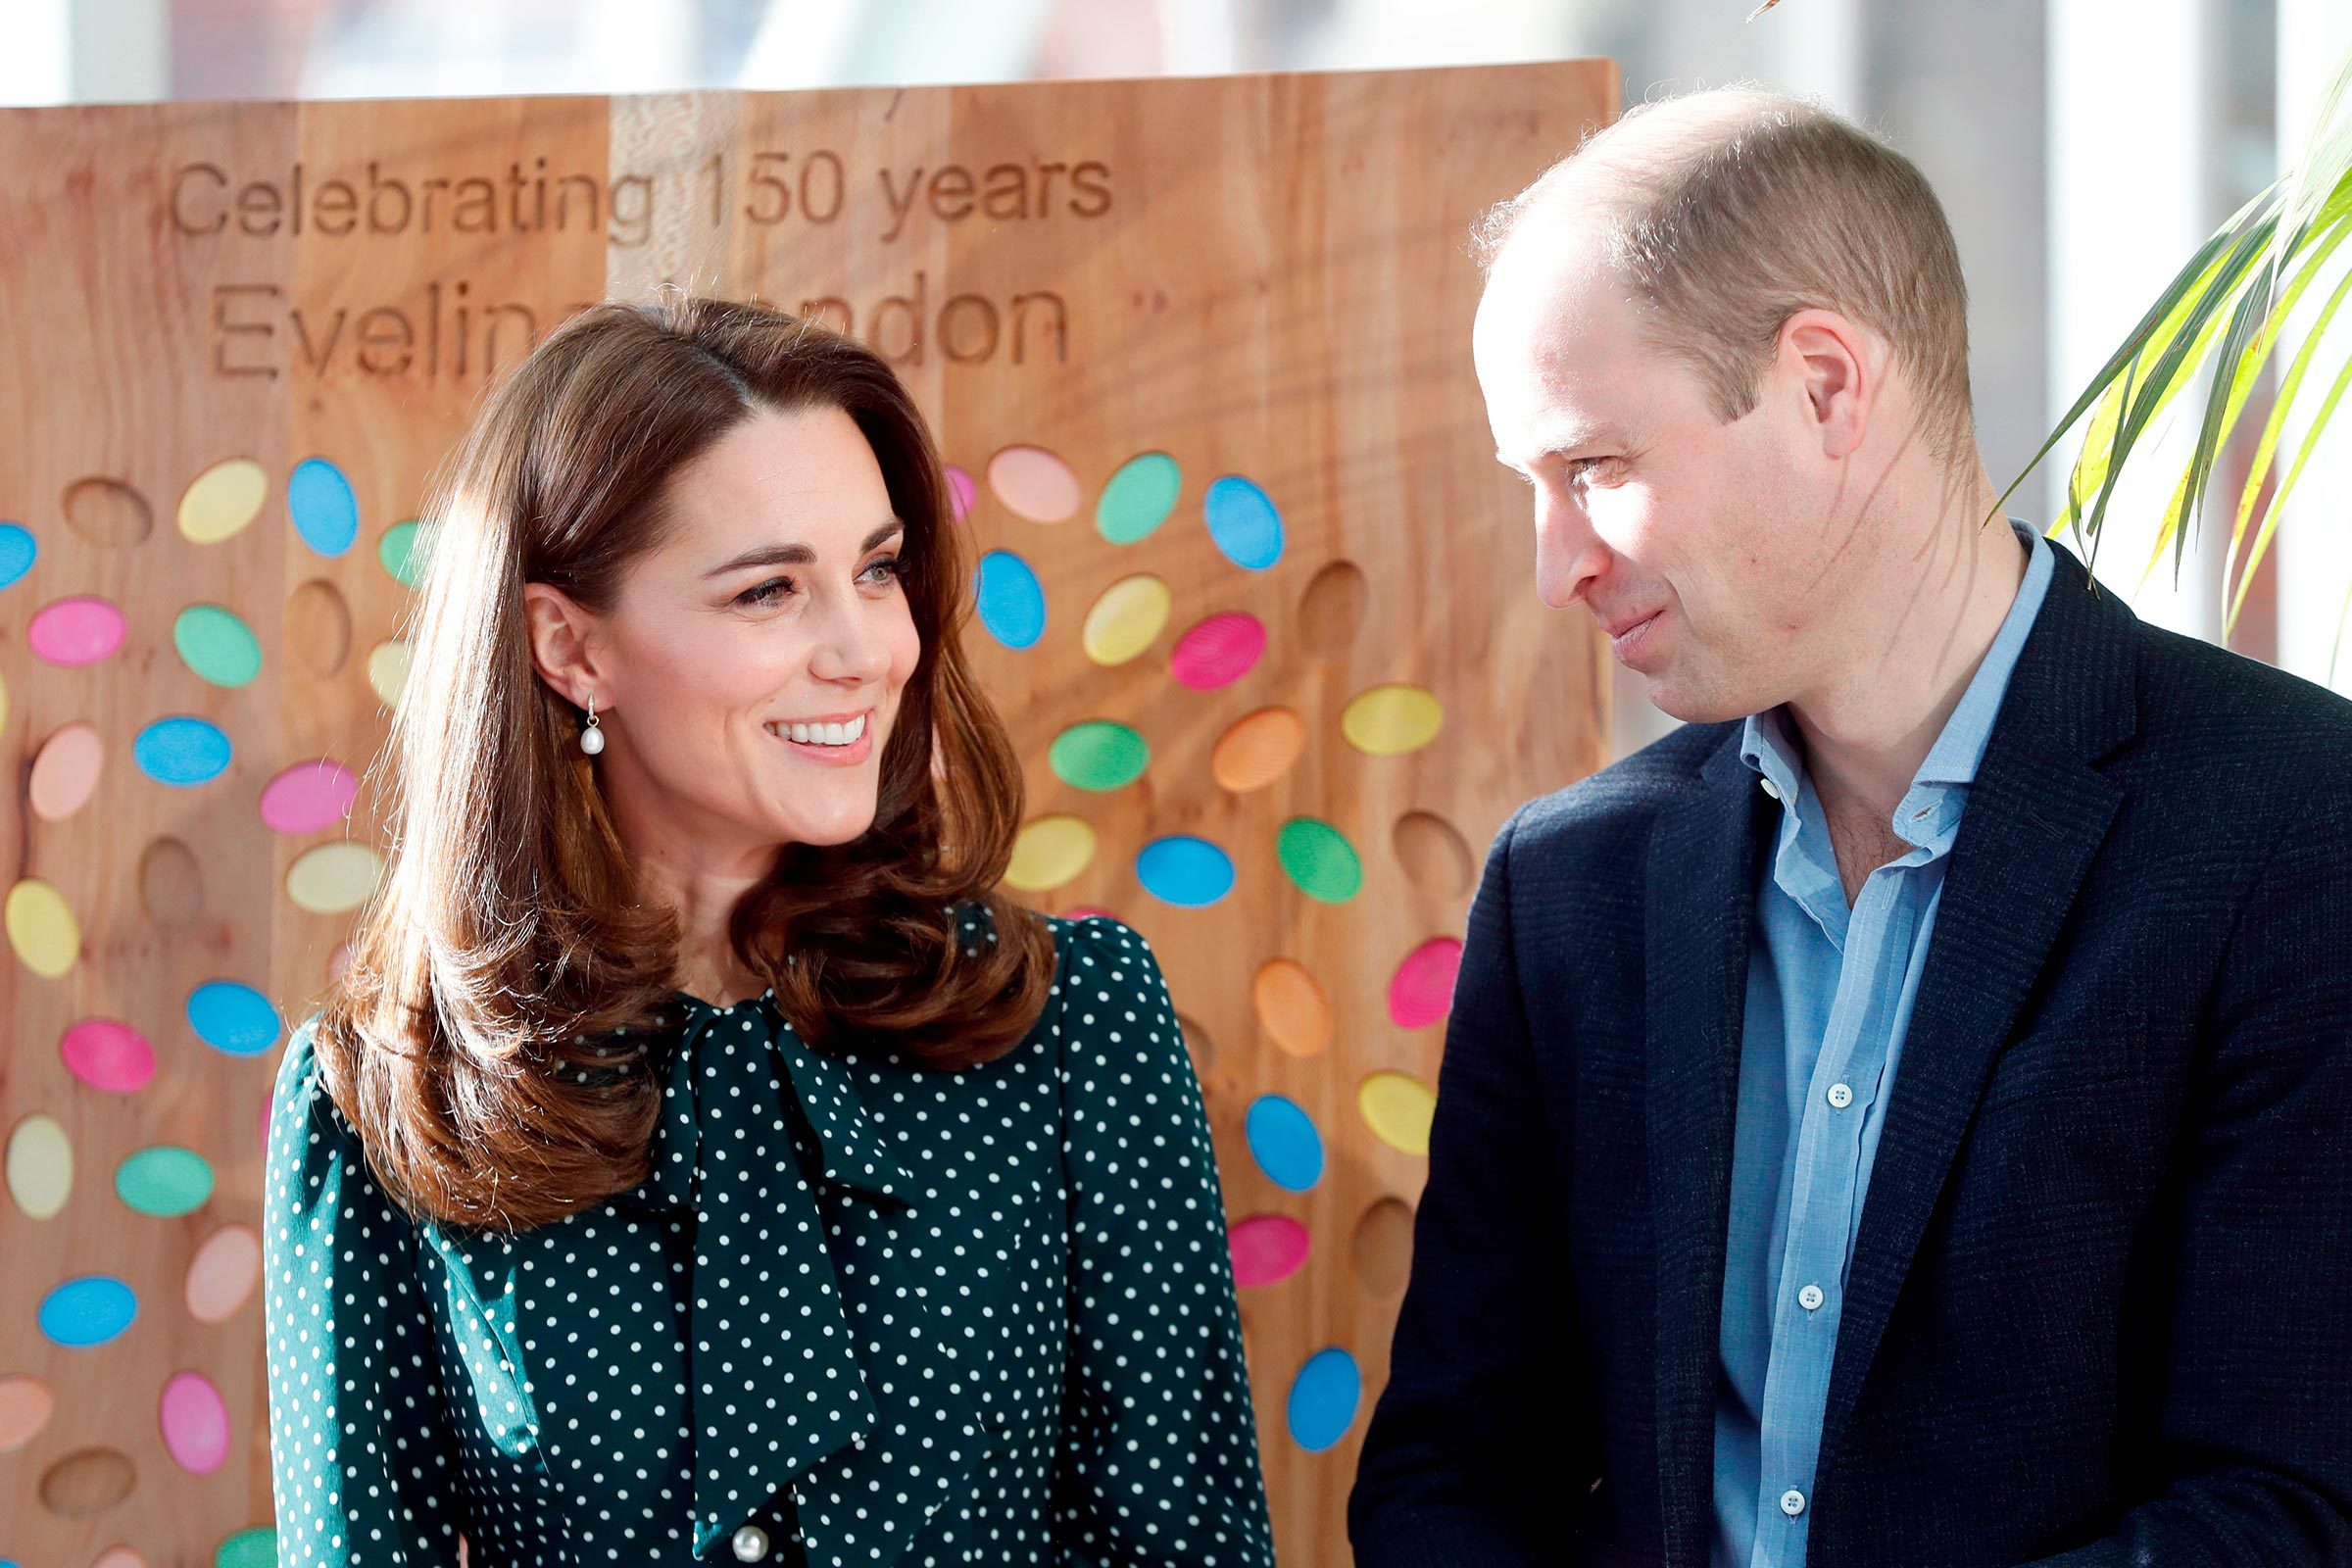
(835, 740)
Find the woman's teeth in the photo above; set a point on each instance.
(822, 734)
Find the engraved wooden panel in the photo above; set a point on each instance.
(1255, 603)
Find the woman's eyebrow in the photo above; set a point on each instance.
(795, 555)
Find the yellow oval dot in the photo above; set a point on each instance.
(1131, 613)
(333, 877)
(389, 671)
(1398, 1109)
(1390, 720)
(223, 500)
(1292, 1007)
(1050, 852)
(42, 929)
(2, 704)
(1257, 750)
(40, 1166)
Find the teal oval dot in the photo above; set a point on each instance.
(325, 512)
(217, 645)
(1243, 522)
(1184, 872)
(1138, 498)
(233, 1018)
(86, 1311)
(1319, 859)
(1011, 600)
(18, 551)
(248, 1548)
(164, 1181)
(1281, 1137)
(1324, 1397)
(182, 750)
(406, 549)
(1099, 754)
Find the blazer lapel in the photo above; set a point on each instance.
(1698, 908)
(2036, 817)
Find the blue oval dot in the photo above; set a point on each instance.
(1284, 1139)
(1243, 523)
(18, 549)
(1184, 870)
(86, 1311)
(1323, 1400)
(325, 512)
(182, 750)
(233, 1018)
(1011, 600)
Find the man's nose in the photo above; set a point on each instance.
(1569, 555)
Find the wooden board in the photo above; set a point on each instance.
(1258, 287)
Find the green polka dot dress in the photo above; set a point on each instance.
(859, 1313)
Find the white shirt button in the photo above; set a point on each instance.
(1810, 1297)
(751, 1545)
(1841, 1095)
(1792, 1503)
(1770, 788)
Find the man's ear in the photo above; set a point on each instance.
(564, 645)
(1839, 369)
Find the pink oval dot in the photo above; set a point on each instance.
(308, 796)
(195, 1422)
(119, 1557)
(75, 631)
(66, 771)
(1421, 992)
(108, 1054)
(222, 1273)
(1218, 651)
(962, 491)
(1267, 1249)
(1085, 911)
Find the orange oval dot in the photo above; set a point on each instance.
(1291, 1007)
(1259, 748)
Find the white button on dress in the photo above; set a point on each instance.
(751, 1545)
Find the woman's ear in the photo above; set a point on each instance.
(561, 645)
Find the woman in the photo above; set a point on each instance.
(698, 1160)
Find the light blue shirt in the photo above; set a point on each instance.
(1829, 992)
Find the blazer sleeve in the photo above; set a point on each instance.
(2255, 1447)
(1477, 1455)
(1157, 1464)
(361, 1455)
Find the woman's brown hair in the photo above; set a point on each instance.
(470, 1037)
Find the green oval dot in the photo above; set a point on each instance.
(217, 645)
(1099, 754)
(248, 1548)
(406, 549)
(164, 1181)
(1139, 497)
(1318, 857)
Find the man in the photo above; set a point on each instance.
(1905, 1117)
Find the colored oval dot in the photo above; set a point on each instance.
(1050, 852)
(333, 878)
(87, 1482)
(1184, 872)
(66, 771)
(43, 928)
(962, 492)
(223, 501)
(119, 1557)
(1218, 651)
(1126, 619)
(1391, 720)
(1421, 990)
(217, 645)
(40, 1166)
(406, 551)
(1011, 600)
(1034, 483)
(1398, 1109)
(1319, 859)
(1259, 748)
(222, 1273)
(24, 1408)
(19, 550)
(389, 671)
(232, 1018)
(108, 1054)
(325, 512)
(182, 750)
(248, 1548)
(86, 1311)
(195, 1422)
(1324, 1397)
(1243, 524)
(1267, 1249)
(1099, 754)
(73, 632)
(308, 796)
(1291, 1007)
(1138, 498)
(164, 1181)
(1283, 1140)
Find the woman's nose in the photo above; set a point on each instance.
(850, 648)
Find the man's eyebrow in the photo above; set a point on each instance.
(795, 555)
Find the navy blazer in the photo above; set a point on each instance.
(2099, 1309)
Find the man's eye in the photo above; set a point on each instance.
(1602, 468)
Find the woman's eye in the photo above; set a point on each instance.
(885, 569)
(765, 593)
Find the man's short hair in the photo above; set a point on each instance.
(1758, 206)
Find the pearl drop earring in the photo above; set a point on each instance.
(592, 739)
